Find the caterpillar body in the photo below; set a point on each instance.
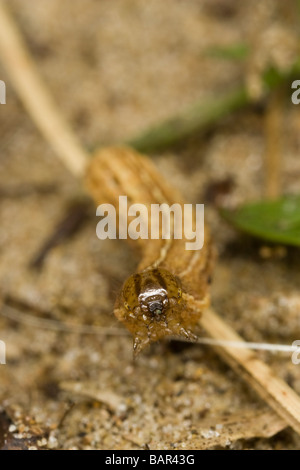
(171, 287)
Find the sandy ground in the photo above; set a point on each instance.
(115, 68)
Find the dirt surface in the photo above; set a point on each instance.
(116, 68)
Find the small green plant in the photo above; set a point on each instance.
(275, 221)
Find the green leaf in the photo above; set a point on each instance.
(275, 221)
(233, 52)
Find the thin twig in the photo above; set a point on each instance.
(258, 374)
(35, 96)
(224, 431)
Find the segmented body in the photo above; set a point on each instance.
(161, 300)
(171, 288)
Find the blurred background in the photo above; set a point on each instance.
(117, 70)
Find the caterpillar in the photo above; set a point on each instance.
(170, 289)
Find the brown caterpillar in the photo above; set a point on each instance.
(155, 307)
(160, 299)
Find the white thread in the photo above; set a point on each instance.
(245, 345)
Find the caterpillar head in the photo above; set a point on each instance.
(152, 305)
